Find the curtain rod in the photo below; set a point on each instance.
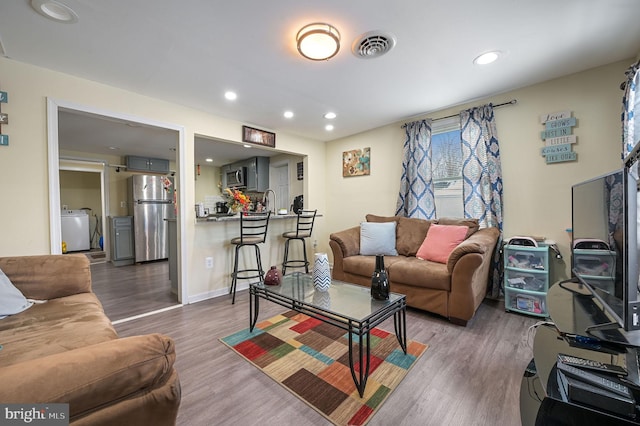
(511, 102)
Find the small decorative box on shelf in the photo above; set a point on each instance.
(526, 279)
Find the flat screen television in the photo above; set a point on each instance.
(605, 244)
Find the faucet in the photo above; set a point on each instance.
(267, 202)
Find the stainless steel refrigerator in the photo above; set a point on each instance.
(150, 203)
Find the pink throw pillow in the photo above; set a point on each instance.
(440, 242)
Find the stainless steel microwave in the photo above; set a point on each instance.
(237, 177)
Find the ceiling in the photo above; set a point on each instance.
(86, 132)
(190, 52)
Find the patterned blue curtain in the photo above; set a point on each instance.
(631, 109)
(482, 177)
(416, 197)
(614, 197)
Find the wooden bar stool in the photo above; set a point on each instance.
(304, 227)
(253, 231)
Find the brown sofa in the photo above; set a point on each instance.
(453, 290)
(65, 350)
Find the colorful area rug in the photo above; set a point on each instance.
(311, 359)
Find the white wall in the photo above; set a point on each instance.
(537, 196)
(24, 163)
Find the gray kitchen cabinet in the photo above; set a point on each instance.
(145, 164)
(122, 247)
(257, 174)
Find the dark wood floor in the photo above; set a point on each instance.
(468, 376)
(131, 290)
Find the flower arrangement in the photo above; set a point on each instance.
(236, 200)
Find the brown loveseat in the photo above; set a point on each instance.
(453, 290)
(65, 350)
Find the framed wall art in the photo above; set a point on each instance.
(356, 162)
(258, 137)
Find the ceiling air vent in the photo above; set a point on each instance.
(373, 44)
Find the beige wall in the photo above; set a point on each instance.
(537, 196)
(24, 163)
(207, 183)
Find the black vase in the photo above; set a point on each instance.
(379, 280)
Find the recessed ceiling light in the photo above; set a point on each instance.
(328, 127)
(288, 114)
(209, 160)
(114, 148)
(487, 58)
(247, 146)
(54, 10)
(232, 96)
(330, 115)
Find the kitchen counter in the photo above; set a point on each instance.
(233, 218)
(215, 253)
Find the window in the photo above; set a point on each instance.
(446, 153)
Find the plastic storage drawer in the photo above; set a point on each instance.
(527, 302)
(525, 280)
(595, 263)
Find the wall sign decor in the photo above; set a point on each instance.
(356, 162)
(300, 170)
(558, 137)
(258, 137)
(4, 119)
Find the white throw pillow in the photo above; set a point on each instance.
(12, 301)
(378, 238)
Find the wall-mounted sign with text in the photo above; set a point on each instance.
(4, 119)
(558, 137)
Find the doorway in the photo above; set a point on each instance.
(83, 188)
(54, 108)
(281, 185)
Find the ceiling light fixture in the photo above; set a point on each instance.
(209, 160)
(288, 114)
(318, 41)
(487, 58)
(247, 146)
(54, 10)
(330, 115)
(231, 96)
(328, 127)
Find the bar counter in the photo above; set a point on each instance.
(211, 245)
(236, 217)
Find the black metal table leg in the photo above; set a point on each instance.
(363, 360)
(254, 307)
(400, 325)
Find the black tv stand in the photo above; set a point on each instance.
(582, 329)
(613, 325)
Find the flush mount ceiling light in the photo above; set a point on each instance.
(231, 96)
(487, 58)
(330, 115)
(55, 10)
(318, 41)
(288, 114)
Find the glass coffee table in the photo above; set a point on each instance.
(347, 306)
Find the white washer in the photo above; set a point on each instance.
(75, 229)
